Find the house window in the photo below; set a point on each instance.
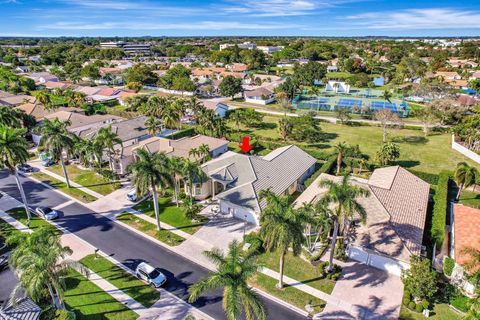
(197, 188)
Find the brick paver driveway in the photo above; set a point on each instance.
(367, 293)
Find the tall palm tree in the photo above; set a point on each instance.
(153, 125)
(176, 167)
(44, 98)
(57, 139)
(192, 172)
(344, 196)
(193, 104)
(87, 151)
(172, 113)
(233, 272)
(9, 116)
(340, 149)
(281, 227)
(194, 153)
(387, 95)
(108, 139)
(75, 99)
(150, 172)
(204, 152)
(465, 176)
(154, 106)
(320, 223)
(39, 261)
(13, 151)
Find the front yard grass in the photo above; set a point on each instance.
(35, 222)
(441, 311)
(89, 302)
(121, 279)
(471, 199)
(298, 269)
(150, 229)
(288, 294)
(62, 186)
(171, 214)
(87, 178)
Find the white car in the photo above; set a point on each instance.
(132, 195)
(47, 213)
(150, 275)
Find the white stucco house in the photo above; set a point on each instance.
(260, 95)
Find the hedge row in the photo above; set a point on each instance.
(440, 209)
(182, 133)
(431, 178)
(325, 168)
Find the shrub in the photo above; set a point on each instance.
(460, 302)
(448, 265)
(411, 305)
(425, 304)
(431, 178)
(440, 208)
(406, 298)
(418, 307)
(256, 243)
(182, 133)
(420, 280)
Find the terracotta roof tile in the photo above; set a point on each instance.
(466, 231)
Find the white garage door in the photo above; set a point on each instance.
(237, 212)
(358, 254)
(380, 262)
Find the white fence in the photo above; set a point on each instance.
(183, 93)
(466, 152)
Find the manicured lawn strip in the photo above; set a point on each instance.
(171, 214)
(61, 186)
(87, 178)
(35, 222)
(89, 302)
(440, 311)
(298, 269)
(150, 229)
(288, 294)
(471, 199)
(124, 281)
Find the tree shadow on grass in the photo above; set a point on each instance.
(410, 139)
(408, 163)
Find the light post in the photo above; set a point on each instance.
(244, 225)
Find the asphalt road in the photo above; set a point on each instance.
(129, 248)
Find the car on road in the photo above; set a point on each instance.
(47, 213)
(132, 195)
(151, 275)
(49, 163)
(24, 168)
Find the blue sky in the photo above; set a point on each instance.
(241, 17)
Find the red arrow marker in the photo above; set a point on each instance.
(245, 146)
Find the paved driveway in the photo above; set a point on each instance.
(368, 293)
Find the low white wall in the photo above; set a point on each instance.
(466, 152)
(259, 101)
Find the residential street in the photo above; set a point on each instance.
(127, 247)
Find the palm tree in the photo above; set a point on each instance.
(193, 104)
(387, 95)
(340, 149)
(44, 98)
(75, 99)
(154, 106)
(13, 151)
(176, 167)
(236, 117)
(204, 152)
(344, 196)
(9, 117)
(321, 221)
(172, 113)
(151, 171)
(153, 125)
(281, 227)
(192, 171)
(465, 176)
(57, 139)
(194, 153)
(108, 139)
(39, 261)
(87, 151)
(233, 272)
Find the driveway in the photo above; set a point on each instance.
(368, 293)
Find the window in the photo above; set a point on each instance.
(197, 188)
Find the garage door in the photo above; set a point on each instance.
(358, 254)
(237, 212)
(380, 262)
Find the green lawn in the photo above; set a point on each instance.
(62, 186)
(471, 199)
(150, 229)
(298, 269)
(171, 214)
(35, 222)
(288, 294)
(89, 302)
(124, 281)
(5, 230)
(440, 311)
(87, 178)
(431, 154)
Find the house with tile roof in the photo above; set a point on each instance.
(396, 213)
(236, 180)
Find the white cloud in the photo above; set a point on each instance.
(203, 25)
(416, 19)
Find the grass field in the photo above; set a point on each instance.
(150, 229)
(89, 302)
(471, 199)
(124, 281)
(35, 222)
(171, 214)
(87, 178)
(298, 269)
(440, 312)
(431, 154)
(288, 294)
(62, 186)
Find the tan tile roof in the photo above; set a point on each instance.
(466, 231)
(17, 100)
(78, 119)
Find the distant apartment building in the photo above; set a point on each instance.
(129, 48)
(270, 49)
(245, 45)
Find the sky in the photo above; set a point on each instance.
(240, 18)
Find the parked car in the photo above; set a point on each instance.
(150, 275)
(132, 195)
(47, 213)
(49, 163)
(24, 168)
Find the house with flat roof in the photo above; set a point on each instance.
(396, 212)
(236, 180)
